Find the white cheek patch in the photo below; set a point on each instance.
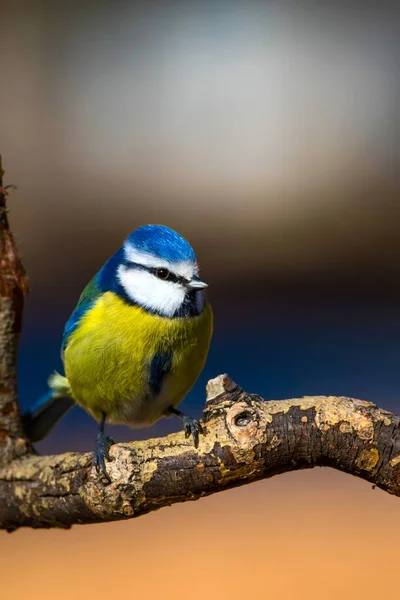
(142, 287)
(183, 269)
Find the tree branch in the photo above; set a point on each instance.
(246, 439)
(13, 286)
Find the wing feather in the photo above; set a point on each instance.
(86, 300)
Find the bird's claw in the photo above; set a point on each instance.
(101, 452)
(192, 427)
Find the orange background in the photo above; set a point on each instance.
(305, 535)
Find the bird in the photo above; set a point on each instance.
(135, 343)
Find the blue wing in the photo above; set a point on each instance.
(86, 300)
(160, 367)
(42, 417)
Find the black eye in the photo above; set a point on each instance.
(162, 273)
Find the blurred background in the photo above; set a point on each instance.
(267, 133)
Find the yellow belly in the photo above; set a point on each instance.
(107, 359)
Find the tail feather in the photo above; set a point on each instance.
(43, 415)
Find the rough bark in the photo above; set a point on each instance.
(13, 286)
(245, 439)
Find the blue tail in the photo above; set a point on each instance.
(43, 415)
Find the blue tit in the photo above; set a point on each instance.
(136, 342)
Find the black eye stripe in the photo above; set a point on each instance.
(171, 276)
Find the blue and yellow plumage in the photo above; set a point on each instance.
(136, 341)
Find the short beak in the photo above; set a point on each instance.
(197, 284)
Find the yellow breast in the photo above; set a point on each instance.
(108, 357)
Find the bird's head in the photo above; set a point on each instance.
(158, 271)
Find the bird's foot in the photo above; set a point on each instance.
(192, 427)
(101, 452)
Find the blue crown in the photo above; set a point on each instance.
(162, 242)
